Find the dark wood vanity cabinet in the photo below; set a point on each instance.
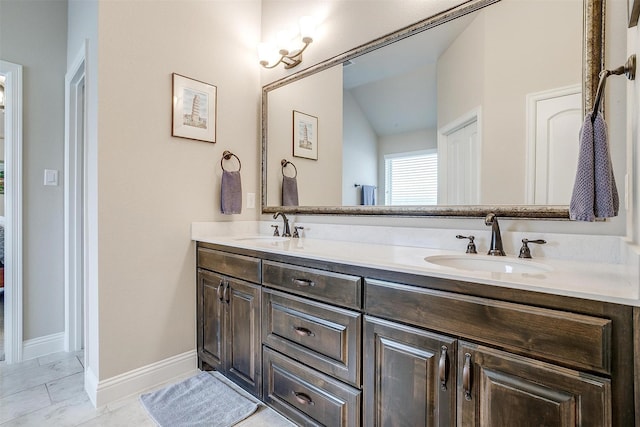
(312, 349)
(409, 376)
(336, 345)
(229, 311)
(502, 389)
(483, 386)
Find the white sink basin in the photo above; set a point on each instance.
(495, 264)
(261, 238)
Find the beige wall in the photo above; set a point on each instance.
(461, 73)
(152, 185)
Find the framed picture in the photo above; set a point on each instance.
(194, 109)
(305, 136)
(633, 11)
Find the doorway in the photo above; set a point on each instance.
(12, 327)
(74, 203)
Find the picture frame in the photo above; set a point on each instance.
(194, 109)
(633, 12)
(305, 135)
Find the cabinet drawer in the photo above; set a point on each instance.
(307, 396)
(240, 266)
(568, 338)
(336, 288)
(319, 335)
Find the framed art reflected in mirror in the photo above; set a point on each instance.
(305, 135)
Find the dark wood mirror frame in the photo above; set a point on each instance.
(593, 57)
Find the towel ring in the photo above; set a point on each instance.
(226, 155)
(284, 163)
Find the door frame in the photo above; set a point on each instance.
(75, 202)
(13, 211)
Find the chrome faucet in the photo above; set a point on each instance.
(496, 240)
(286, 232)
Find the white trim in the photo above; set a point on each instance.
(91, 384)
(13, 211)
(74, 185)
(139, 380)
(532, 99)
(41, 346)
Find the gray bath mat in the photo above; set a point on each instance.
(202, 400)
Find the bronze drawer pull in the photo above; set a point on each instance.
(303, 282)
(220, 286)
(303, 332)
(442, 368)
(466, 376)
(303, 398)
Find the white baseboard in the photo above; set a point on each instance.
(38, 347)
(138, 380)
(91, 385)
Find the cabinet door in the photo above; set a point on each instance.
(211, 319)
(502, 389)
(409, 376)
(244, 360)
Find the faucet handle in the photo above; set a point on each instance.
(525, 252)
(471, 247)
(275, 230)
(295, 231)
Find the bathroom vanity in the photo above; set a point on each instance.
(331, 341)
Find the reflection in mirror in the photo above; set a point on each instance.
(483, 110)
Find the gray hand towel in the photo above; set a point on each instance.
(289, 191)
(231, 193)
(595, 194)
(368, 195)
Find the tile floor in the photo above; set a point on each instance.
(49, 391)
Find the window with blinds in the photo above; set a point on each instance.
(411, 178)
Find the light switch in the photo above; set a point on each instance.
(251, 200)
(50, 177)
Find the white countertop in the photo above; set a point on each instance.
(617, 283)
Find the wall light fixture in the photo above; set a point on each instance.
(289, 45)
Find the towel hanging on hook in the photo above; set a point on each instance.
(289, 185)
(230, 187)
(595, 194)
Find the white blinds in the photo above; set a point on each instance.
(411, 179)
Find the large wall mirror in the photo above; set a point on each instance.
(472, 110)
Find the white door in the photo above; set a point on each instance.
(554, 145)
(459, 175)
